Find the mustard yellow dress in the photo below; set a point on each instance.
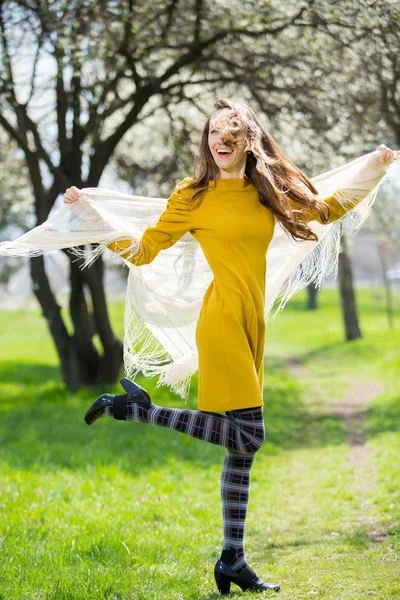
(234, 230)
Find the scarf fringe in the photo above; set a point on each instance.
(163, 301)
(91, 254)
(324, 258)
(144, 353)
(16, 249)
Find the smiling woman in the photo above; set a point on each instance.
(231, 160)
(235, 145)
(220, 223)
(245, 184)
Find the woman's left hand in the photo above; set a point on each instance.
(384, 154)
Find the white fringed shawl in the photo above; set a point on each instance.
(164, 298)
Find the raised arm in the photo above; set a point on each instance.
(353, 191)
(336, 209)
(172, 224)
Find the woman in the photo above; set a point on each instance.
(244, 186)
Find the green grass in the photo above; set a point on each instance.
(123, 511)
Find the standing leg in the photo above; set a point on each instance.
(235, 487)
(232, 566)
(242, 433)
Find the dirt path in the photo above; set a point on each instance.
(351, 410)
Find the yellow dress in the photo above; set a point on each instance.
(234, 230)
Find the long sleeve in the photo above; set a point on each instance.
(172, 224)
(336, 209)
(351, 190)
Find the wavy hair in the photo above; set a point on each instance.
(281, 186)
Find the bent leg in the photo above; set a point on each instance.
(241, 431)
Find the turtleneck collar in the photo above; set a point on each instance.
(231, 183)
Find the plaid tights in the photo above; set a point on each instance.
(241, 432)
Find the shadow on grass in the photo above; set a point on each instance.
(347, 349)
(42, 427)
(383, 416)
(30, 374)
(383, 412)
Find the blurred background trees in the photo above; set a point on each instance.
(114, 93)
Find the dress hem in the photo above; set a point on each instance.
(228, 407)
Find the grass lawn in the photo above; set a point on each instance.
(123, 511)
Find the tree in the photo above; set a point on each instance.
(312, 292)
(109, 66)
(95, 72)
(354, 49)
(15, 203)
(347, 295)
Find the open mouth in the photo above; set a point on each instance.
(224, 152)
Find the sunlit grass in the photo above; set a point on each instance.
(125, 511)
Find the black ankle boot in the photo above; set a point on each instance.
(135, 393)
(246, 579)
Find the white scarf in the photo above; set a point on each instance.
(164, 298)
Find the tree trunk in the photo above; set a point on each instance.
(312, 292)
(347, 295)
(51, 312)
(388, 288)
(111, 360)
(81, 363)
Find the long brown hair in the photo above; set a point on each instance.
(281, 186)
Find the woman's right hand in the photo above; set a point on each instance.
(71, 195)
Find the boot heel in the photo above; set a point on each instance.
(223, 583)
(135, 392)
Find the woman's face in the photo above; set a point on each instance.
(231, 159)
